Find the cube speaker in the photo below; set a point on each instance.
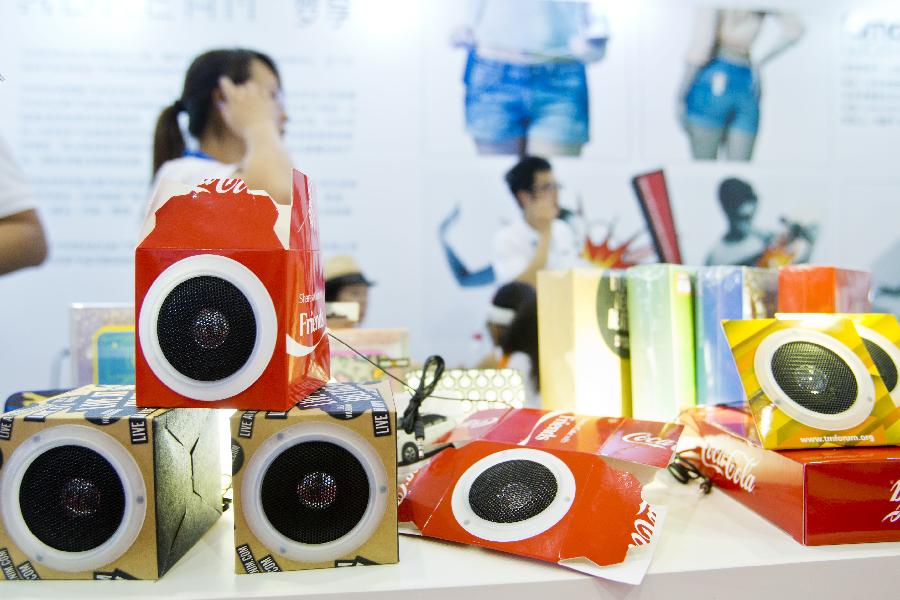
(230, 300)
(317, 484)
(93, 488)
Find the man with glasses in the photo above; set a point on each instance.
(539, 239)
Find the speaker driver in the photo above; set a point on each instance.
(513, 495)
(207, 327)
(814, 379)
(74, 498)
(314, 492)
(886, 357)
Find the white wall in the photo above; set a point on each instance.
(375, 96)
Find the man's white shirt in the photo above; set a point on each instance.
(515, 244)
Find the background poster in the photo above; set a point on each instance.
(375, 97)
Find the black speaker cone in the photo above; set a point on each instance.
(883, 362)
(315, 492)
(512, 491)
(206, 328)
(814, 377)
(72, 499)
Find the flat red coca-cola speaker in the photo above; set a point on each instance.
(549, 485)
(230, 307)
(513, 495)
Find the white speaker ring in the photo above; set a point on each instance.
(889, 348)
(256, 469)
(256, 294)
(129, 475)
(858, 411)
(511, 532)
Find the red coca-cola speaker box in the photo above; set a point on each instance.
(229, 298)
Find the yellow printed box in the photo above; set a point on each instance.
(812, 383)
(584, 344)
(880, 332)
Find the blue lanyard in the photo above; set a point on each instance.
(197, 154)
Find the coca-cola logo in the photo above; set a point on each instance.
(894, 515)
(733, 466)
(403, 487)
(644, 526)
(223, 186)
(556, 419)
(646, 439)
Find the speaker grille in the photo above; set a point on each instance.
(206, 328)
(72, 499)
(512, 491)
(886, 367)
(315, 492)
(814, 377)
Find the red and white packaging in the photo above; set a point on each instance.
(490, 489)
(824, 496)
(219, 231)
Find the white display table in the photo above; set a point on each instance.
(711, 547)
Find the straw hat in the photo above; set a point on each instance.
(343, 268)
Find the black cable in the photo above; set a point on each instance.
(394, 377)
(411, 421)
(685, 471)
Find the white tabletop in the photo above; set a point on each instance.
(710, 547)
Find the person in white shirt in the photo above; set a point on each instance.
(539, 239)
(22, 240)
(236, 118)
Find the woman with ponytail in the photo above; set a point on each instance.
(232, 99)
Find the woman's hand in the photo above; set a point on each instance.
(247, 108)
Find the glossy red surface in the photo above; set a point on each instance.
(823, 496)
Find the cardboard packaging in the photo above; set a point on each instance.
(661, 332)
(101, 343)
(29, 398)
(230, 298)
(722, 293)
(315, 487)
(826, 496)
(583, 334)
(812, 383)
(71, 462)
(532, 482)
(806, 288)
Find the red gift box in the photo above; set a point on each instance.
(229, 298)
(823, 496)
